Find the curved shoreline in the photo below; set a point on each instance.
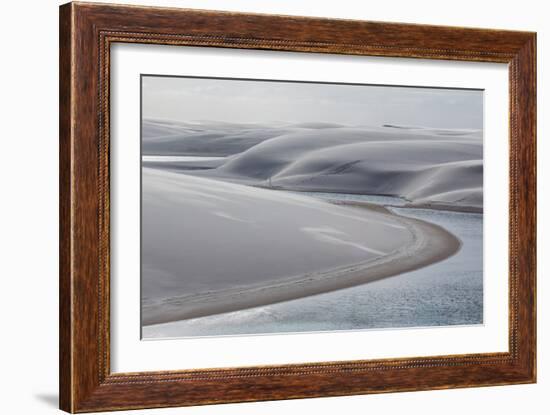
(430, 244)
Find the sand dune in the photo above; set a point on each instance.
(212, 138)
(446, 170)
(422, 165)
(192, 265)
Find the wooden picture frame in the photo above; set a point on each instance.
(86, 33)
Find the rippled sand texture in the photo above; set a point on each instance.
(425, 166)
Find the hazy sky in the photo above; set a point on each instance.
(191, 99)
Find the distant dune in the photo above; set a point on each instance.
(427, 166)
(211, 246)
(212, 138)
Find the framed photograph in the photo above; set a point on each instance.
(258, 207)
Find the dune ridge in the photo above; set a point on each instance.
(426, 166)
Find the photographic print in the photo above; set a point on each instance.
(274, 206)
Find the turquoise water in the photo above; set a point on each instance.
(446, 293)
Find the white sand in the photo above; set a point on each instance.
(212, 246)
(431, 168)
(426, 166)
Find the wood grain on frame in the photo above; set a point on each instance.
(86, 33)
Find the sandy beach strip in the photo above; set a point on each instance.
(429, 244)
